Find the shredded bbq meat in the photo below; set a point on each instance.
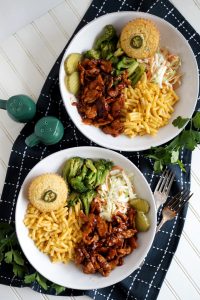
(100, 99)
(105, 244)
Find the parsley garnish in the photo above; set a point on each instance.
(187, 139)
(10, 253)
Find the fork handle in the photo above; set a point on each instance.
(163, 221)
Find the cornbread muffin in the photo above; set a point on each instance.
(48, 192)
(140, 38)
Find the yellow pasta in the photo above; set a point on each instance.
(147, 108)
(55, 233)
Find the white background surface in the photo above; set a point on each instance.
(18, 13)
(25, 60)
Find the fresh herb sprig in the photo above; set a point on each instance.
(10, 253)
(188, 139)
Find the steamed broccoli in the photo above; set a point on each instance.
(137, 74)
(73, 199)
(92, 53)
(78, 185)
(89, 164)
(127, 63)
(118, 52)
(108, 34)
(90, 180)
(87, 199)
(103, 168)
(72, 167)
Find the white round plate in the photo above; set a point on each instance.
(171, 39)
(70, 275)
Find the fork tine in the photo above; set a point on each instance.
(174, 199)
(166, 181)
(180, 197)
(170, 181)
(162, 178)
(183, 202)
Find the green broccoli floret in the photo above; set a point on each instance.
(127, 63)
(92, 53)
(90, 180)
(89, 164)
(83, 173)
(78, 185)
(72, 167)
(118, 52)
(73, 199)
(103, 168)
(137, 74)
(87, 199)
(108, 34)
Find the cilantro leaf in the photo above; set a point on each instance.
(181, 165)
(58, 288)
(30, 278)
(42, 281)
(8, 257)
(18, 257)
(18, 270)
(158, 166)
(196, 135)
(174, 156)
(180, 122)
(187, 140)
(196, 120)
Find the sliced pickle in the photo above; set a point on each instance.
(142, 221)
(140, 204)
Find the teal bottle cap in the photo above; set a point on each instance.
(48, 131)
(20, 108)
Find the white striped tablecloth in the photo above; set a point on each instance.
(26, 58)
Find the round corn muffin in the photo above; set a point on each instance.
(140, 38)
(48, 192)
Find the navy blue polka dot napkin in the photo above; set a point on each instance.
(145, 282)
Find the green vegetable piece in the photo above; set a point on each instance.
(87, 199)
(78, 185)
(137, 74)
(180, 122)
(30, 278)
(136, 42)
(49, 196)
(127, 63)
(71, 63)
(90, 180)
(58, 288)
(76, 164)
(83, 172)
(118, 52)
(89, 164)
(188, 140)
(196, 120)
(140, 205)
(66, 169)
(108, 33)
(142, 222)
(73, 199)
(92, 54)
(73, 83)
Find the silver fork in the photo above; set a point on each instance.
(173, 207)
(163, 187)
